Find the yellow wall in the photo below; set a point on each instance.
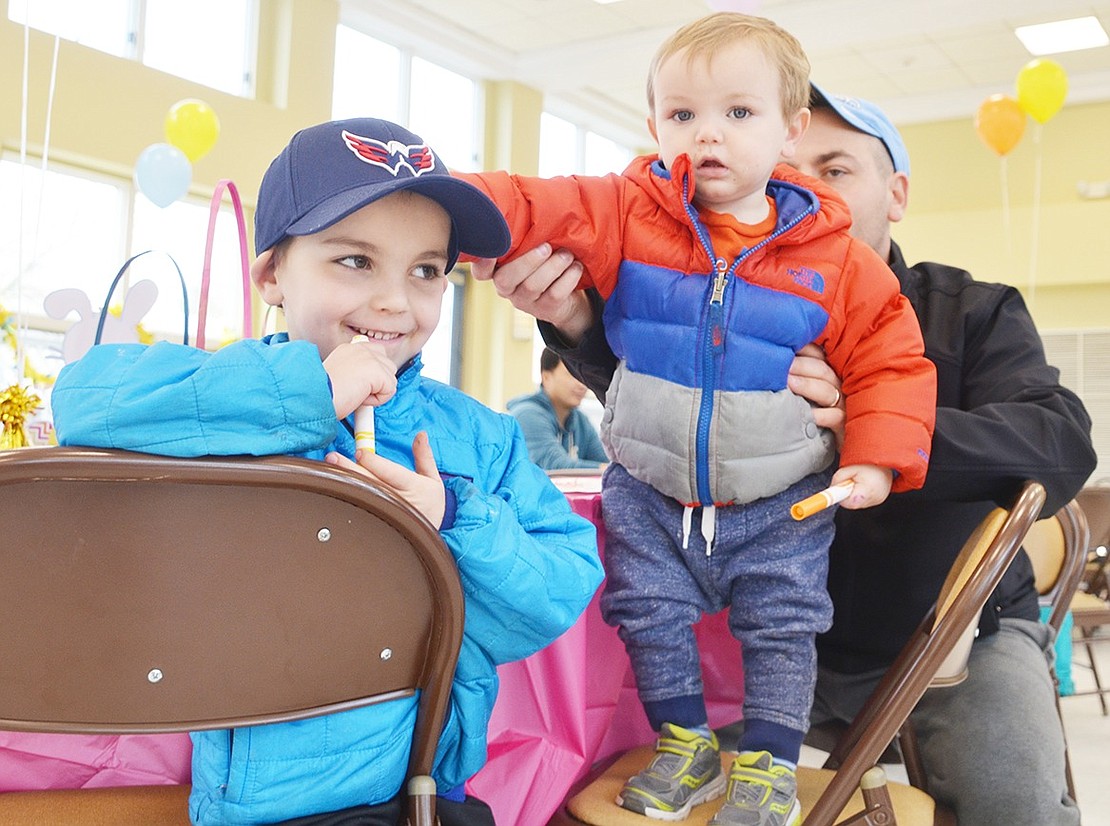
(497, 348)
(107, 110)
(958, 211)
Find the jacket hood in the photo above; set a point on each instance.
(793, 193)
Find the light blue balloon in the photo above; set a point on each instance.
(163, 173)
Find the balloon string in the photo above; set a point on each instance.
(45, 148)
(1007, 228)
(1034, 241)
(20, 323)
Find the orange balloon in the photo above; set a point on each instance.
(1000, 123)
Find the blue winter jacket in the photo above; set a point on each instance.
(528, 565)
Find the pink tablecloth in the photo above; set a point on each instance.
(557, 713)
(574, 703)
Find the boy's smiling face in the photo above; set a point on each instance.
(379, 272)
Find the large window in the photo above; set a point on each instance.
(212, 42)
(77, 230)
(569, 149)
(439, 105)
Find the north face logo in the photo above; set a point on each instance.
(805, 277)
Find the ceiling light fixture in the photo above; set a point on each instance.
(1063, 36)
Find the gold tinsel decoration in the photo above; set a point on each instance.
(16, 404)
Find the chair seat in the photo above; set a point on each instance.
(148, 805)
(595, 804)
(1086, 603)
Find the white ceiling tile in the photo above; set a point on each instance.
(920, 59)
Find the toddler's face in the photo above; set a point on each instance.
(380, 272)
(726, 114)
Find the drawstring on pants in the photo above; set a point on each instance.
(708, 526)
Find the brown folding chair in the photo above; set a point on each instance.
(148, 594)
(1090, 607)
(1095, 502)
(1057, 547)
(856, 791)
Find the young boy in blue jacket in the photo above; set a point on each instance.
(357, 224)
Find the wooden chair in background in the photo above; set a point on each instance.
(852, 789)
(1090, 608)
(148, 594)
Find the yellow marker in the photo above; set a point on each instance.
(364, 420)
(819, 501)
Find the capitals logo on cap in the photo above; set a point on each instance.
(392, 156)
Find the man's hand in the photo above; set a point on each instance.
(812, 379)
(543, 284)
(422, 488)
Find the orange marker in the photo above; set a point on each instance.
(364, 420)
(819, 501)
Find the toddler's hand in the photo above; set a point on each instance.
(871, 485)
(422, 488)
(360, 373)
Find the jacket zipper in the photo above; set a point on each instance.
(713, 341)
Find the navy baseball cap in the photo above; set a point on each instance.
(330, 170)
(867, 118)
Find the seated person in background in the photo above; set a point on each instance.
(719, 265)
(557, 433)
(1002, 417)
(354, 242)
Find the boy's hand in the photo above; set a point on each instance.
(422, 488)
(360, 373)
(871, 485)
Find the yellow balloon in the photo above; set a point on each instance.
(1000, 123)
(192, 126)
(1042, 86)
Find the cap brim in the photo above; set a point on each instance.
(843, 111)
(480, 228)
(866, 117)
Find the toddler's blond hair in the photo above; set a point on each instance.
(704, 38)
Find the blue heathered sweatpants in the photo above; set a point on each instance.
(769, 569)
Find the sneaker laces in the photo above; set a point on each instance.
(752, 789)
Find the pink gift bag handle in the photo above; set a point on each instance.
(206, 274)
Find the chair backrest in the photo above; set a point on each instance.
(1095, 502)
(985, 556)
(1057, 547)
(154, 594)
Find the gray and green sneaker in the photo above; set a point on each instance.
(760, 793)
(685, 771)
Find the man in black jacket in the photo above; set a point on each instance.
(1002, 417)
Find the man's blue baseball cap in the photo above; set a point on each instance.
(330, 170)
(867, 118)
